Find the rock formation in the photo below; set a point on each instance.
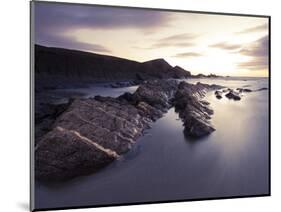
(244, 90)
(233, 95)
(194, 113)
(93, 132)
(218, 94)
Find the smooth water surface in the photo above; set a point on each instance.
(165, 165)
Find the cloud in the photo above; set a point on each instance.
(70, 43)
(52, 21)
(177, 40)
(86, 46)
(254, 64)
(259, 28)
(172, 44)
(258, 48)
(179, 37)
(188, 54)
(258, 53)
(225, 46)
(65, 16)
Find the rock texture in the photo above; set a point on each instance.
(157, 93)
(93, 132)
(194, 113)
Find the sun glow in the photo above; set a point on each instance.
(222, 45)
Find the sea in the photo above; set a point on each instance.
(164, 165)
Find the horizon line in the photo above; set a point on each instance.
(108, 55)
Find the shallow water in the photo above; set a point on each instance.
(165, 165)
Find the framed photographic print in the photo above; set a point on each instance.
(137, 105)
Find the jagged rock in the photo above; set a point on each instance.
(63, 154)
(157, 93)
(233, 95)
(192, 111)
(45, 114)
(93, 132)
(204, 102)
(93, 128)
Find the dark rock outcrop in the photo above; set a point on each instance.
(226, 90)
(45, 114)
(157, 93)
(233, 95)
(261, 89)
(93, 132)
(90, 134)
(206, 76)
(194, 113)
(244, 90)
(180, 73)
(123, 84)
(218, 94)
(61, 67)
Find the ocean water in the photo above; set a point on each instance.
(166, 165)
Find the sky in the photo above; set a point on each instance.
(200, 43)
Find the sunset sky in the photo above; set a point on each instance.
(200, 43)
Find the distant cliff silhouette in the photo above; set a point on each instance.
(59, 63)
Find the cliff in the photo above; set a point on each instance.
(58, 63)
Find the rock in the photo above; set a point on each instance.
(63, 154)
(233, 95)
(244, 90)
(194, 114)
(226, 90)
(261, 89)
(56, 66)
(200, 76)
(96, 131)
(122, 84)
(213, 75)
(204, 102)
(126, 96)
(206, 76)
(45, 115)
(157, 93)
(218, 94)
(180, 73)
(91, 133)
